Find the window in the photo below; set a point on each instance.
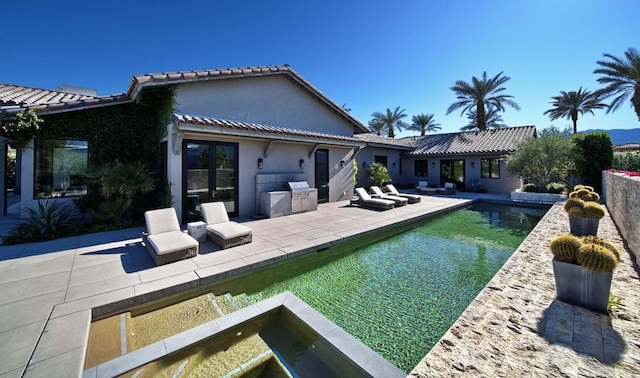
(420, 167)
(380, 159)
(60, 166)
(490, 168)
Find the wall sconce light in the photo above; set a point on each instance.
(473, 164)
(260, 163)
(341, 163)
(394, 165)
(301, 164)
(364, 164)
(433, 164)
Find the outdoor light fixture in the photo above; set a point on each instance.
(301, 164)
(394, 165)
(260, 163)
(473, 164)
(364, 164)
(341, 163)
(433, 164)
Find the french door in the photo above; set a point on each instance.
(452, 171)
(210, 174)
(322, 174)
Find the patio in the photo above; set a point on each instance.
(47, 291)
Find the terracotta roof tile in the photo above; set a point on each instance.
(264, 130)
(406, 143)
(495, 141)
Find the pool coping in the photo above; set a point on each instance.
(355, 351)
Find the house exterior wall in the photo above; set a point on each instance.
(283, 157)
(367, 155)
(270, 100)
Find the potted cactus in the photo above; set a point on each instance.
(584, 211)
(583, 269)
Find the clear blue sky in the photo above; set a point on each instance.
(369, 54)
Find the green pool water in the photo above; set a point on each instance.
(401, 295)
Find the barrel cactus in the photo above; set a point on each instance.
(565, 247)
(596, 258)
(573, 202)
(574, 194)
(579, 186)
(593, 196)
(593, 210)
(591, 239)
(589, 188)
(576, 212)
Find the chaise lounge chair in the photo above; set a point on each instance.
(413, 198)
(373, 203)
(164, 240)
(378, 193)
(449, 188)
(423, 187)
(220, 229)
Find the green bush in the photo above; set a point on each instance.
(555, 187)
(593, 153)
(11, 169)
(378, 174)
(530, 187)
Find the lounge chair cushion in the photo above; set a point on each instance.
(170, 242)
(214, 212)
(413, 198)
(229, 230)
(365, 199)
(378, 193)
(161, 220)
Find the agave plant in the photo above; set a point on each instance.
(48, 219)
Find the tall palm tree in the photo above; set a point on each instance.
(376, 126)
(391, 120)
(480, 94)
(569, 104)
(493, 119)
(423, 123)
(622, 78)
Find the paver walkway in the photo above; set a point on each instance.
(516, 328)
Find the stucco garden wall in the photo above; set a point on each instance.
(622, 196)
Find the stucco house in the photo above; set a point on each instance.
(469, 159)
(226, 128)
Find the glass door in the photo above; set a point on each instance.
(322, 174)
(209, 175)
(452, 171)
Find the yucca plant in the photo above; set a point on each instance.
(49, 218)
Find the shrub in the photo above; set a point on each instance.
(593, 153)
(626, 161)
(543, 159)
(530, 187)
(378, 174)
(555, 187)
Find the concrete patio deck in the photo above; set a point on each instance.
(47, 291)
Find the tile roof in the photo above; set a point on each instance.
(15, 98)
(406, 143)
(227, 127)
(494, 141)
(627, 147)
(167, 78)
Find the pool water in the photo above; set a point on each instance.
(399, 296)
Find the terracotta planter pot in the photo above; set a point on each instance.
(582, 287)
(584, 226)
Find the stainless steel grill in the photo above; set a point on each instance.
(300, 200)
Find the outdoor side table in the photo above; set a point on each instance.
(198, 230)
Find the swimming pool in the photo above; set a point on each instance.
(399, 296)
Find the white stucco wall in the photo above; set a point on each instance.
(271, 100)
(367, 155)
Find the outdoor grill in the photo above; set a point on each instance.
(300, 199)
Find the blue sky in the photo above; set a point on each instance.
(369, 54)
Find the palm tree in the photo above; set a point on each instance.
(424, 123)
(480, 94)
(493, 119)
(377, 126)
(622, 78)
(391, 120)
(569, 104)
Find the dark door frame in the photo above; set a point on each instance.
(450, 173)
(322, 189)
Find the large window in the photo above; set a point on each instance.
(382, 159)
(490, 168)
(420, 168)
(60, 166)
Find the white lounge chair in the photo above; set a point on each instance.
(423, 187)
(449, 188)
(413, 198)
(164, 240)
(365, 200)
(220, 229)
(378, 193)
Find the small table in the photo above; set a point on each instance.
(198, 230)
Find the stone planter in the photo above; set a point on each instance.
(533, 197)
(582, 287)
(584, 226)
